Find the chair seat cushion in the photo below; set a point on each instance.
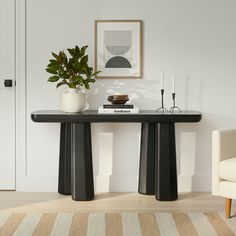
(227, 169)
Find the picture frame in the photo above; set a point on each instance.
(118, 48)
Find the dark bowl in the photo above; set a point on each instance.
(118, 99)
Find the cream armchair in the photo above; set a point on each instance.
(224, 166)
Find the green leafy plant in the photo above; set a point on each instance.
(71, 70)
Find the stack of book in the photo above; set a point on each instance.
(118, 108)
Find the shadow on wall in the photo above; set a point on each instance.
(115, 145)
(144, 93)
(116, 156)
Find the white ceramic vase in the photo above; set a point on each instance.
(73, 100)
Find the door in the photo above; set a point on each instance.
(7, 94)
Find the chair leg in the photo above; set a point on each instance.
(228, 202)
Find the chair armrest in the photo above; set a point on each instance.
(223, 147)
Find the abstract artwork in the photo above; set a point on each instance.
(118, 48)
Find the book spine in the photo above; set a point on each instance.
(118, 106)
(114, 111)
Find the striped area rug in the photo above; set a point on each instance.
(117, 224)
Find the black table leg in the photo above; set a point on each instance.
(166, 175)
(64, 179)
(81, 162)
(147, 159)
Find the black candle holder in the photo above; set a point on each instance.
(162, 108)
(174, 106)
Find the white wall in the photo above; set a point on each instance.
(192, 39)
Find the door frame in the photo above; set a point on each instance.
(13, 77)
(21, 78)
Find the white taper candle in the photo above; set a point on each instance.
(173, 84)
(162, 80)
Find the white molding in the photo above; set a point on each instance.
(193, 183)
(102, 183)
(116, 183)
(129, 183)
(201, 183)
(20, 92)
(123, 183)
(189, 183)
(184, 183)
(39, 183)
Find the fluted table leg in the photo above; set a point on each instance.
(147, 159)
(165, 164)
(81, 162)
(64, 179)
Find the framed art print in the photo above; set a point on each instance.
(118, 48)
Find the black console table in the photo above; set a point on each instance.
(157, 170)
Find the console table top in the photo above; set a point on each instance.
(57, 116)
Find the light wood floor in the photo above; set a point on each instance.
(110, 202)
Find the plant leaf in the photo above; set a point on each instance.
(72, 68)
(77, 51)
(76, 65)
(51, 70)
(71, 51)
(52, 61)
(55, 55)
(78, 79)
(53, 78)
(95, 73)
(83, 50)
(86, 86)
(64, 75)
(84, 60)
(54, 66)
(61, 83)
(89, 71)
(63, 57)
(91, 80)
(71, 85)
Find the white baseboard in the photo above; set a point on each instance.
(115, 183)
(38, 184)
(189, 183)
(123, 183)
(129, 183)
(184, 183)
(201, 183)
(102, 183)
